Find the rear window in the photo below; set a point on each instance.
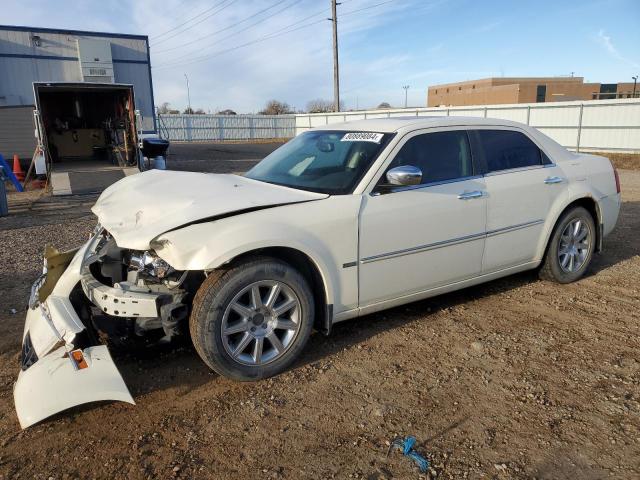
(506, 149)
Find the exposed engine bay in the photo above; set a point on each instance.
(146, 295)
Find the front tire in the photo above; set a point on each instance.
(251, 321)
(571, 247)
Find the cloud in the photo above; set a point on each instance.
(605, 41)
(293, 67)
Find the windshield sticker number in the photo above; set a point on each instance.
(362, 137)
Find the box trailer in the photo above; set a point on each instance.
(88, 133)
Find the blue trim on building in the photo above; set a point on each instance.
(41, 57)
(58, 57)
(153, 102)
(141, 62)
(21, 28)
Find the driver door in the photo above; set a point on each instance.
(421, 237)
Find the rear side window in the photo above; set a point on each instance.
(505, 149)
(440, 155)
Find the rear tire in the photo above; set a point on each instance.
(570, 248)
(252, 320)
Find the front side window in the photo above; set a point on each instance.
(322, 161)
(506, 149)
(441, 156)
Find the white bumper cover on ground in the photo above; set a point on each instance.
(50, 381)
(52, 384)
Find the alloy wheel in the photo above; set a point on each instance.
(261, 322)
(574, 245)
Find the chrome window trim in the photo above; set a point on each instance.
(519, 169)
(426, 185)
(395, 148)
(446, 243)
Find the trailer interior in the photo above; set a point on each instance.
(88, 133)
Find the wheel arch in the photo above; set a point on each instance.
(312, 272)
(589, 204)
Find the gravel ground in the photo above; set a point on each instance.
(517, 378)
(218, 157)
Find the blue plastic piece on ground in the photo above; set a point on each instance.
(406, 445)
(9, 174)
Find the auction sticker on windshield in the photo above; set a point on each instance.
(362, 137)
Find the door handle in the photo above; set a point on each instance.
(552, 180)
(471, 195)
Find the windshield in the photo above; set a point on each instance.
(322, 161)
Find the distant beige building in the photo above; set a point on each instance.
(491, 91)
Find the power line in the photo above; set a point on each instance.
(366, 8)
(232, 34)
(223, 29)
(202, 19)
(273, 34)
(181, 60)
(220, 52)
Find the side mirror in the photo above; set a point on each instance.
(404, 175)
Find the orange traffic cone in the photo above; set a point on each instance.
(17, 169)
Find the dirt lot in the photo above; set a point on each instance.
(514, 379)
(218, 157)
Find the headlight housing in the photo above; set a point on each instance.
(149, 263)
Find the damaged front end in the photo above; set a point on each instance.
(98, 291)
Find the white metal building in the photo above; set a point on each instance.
(31, 54)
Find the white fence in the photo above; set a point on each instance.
(598, 125)
(203, 128)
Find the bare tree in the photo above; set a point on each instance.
(384, 105)
(319, 106)
(164, 108)
(275, 107)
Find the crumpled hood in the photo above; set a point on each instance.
(140, 207)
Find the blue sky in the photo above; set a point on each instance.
(398, 42)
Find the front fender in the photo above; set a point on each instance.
(326, 232)
(223, 245)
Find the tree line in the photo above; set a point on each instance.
(272, 107)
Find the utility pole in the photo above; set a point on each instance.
(635, 80)
(188, 95)
(336, 75)
(406, 89)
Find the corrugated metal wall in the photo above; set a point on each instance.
(599, 125)
(17, 132)
(199, 128)
(22, 62)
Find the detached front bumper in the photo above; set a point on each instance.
(57, 371)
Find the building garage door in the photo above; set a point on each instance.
(17, 132)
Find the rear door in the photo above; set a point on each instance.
(522, 183)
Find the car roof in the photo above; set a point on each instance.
(395, 124)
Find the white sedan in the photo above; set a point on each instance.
(336, 224)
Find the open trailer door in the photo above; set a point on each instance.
(88, 133)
